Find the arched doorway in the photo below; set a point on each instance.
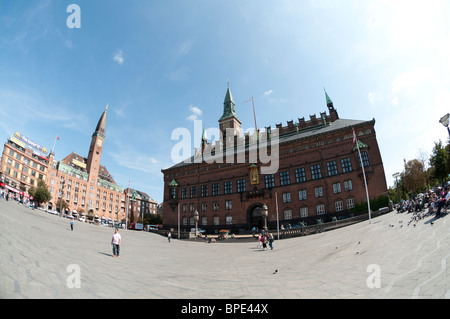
(254, 216)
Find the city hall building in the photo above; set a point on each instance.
(318, 173)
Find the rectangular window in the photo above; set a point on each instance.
(348, 185)
(288, 214)
(304, 212)
(215, 189)
(269, 180)
(228, 204)
(346, 165)
(300, 175)
(365, 159)
(193, 191)
(184, 193)
(350, 203)
(216, 206)
(336, 188)
(284, 178)
(332, 168)
(315, 172)
(320, 209)
(286, 197)
(302, 194)
(241, 185)
(339, 205)
(318, 191)
(204, 207)
(204, 190)
(227, 187)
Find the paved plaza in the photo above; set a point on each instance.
(40, 257)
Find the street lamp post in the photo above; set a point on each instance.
(445, 121)
(61, 198)
(196, 222)
(264, 214)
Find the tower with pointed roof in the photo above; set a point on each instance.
(229, 119)
(333, 113)
(95, 150)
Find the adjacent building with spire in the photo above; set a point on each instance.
(86, 185)
(319, 174)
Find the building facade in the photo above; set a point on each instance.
(86, 185)
(23, 163)
(318, 175)
(139, 204)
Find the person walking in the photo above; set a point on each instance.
(71, 224)
(169, 235)
(259, 241)
(115, 242)
(271, 241)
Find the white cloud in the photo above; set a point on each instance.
(118, 57)
(136, 161)
(195, 113)
(267, 93)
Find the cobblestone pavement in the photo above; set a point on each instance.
(40, 257)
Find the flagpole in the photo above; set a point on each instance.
(364, 175)
(278, 220)
(126, 216)
(254, 113)
(54, 143)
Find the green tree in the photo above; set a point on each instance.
(438, 161)
(64, 204)
(41, 195)
(414, 176)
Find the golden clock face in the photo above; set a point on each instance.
(99, 142)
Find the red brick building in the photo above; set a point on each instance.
(318, 174)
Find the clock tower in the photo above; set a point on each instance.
(229, 119)
(95, 150)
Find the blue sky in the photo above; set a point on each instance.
(161, 64)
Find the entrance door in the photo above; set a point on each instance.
(254, 216)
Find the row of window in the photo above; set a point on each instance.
(320, 209)
(25, 160)
(269, 179)
(318, 191)
(287, 214)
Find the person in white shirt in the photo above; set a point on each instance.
(115, 242)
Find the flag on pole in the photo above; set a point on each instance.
(57, 137)
(364, 174)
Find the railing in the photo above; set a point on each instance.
(300, 231)
(318, 228)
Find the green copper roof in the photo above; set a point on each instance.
(360, 144)
(204, 133)
(229, 109)
(173, 183)
(327, 98)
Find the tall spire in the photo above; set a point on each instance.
(229, 108)
(101, 125)
(329, 102)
